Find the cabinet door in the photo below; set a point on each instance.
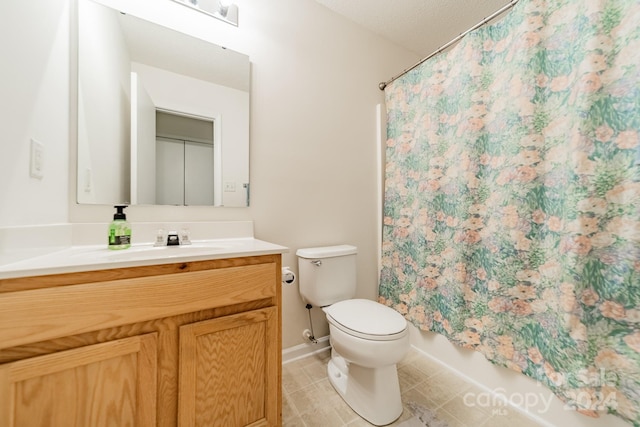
(229, 372)
(107, 384)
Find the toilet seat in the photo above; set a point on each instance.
(367, 319)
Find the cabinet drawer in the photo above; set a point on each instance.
(43, 314)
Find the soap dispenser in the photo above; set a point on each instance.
(119, 230)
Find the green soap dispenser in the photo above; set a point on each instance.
(119, 230)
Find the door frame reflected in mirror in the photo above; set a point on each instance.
(197, 137)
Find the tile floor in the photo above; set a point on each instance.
(309, 400)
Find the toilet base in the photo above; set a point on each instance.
(373, 393)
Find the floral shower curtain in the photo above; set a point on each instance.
(512, 200)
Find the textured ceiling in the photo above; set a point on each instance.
(421, 26)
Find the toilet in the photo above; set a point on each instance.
(367, 338)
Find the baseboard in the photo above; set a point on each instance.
(305, 350)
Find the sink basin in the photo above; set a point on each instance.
(151, 252)
(93, 257)
(148, 251)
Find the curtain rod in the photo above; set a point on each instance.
(504, 8)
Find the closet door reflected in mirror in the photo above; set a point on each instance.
(185, 160)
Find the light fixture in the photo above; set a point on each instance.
(223, 10)
(229, 11)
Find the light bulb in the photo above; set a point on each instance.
(223, 7)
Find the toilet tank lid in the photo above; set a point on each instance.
(327, 251)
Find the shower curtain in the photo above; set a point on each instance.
(512, 198)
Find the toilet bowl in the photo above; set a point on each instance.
(367, 333)
(367, 338)
(364, 355)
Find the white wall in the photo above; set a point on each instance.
(104, 94)
(34, 103)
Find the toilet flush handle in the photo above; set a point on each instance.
(316, 262)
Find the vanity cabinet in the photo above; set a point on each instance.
(186, 344)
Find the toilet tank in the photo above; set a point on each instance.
(327, 274)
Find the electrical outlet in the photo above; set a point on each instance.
(229, 187)
(36, 164)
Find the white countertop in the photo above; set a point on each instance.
(98, 257)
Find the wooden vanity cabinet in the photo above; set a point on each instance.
(185, 344)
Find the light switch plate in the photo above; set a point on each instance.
(36, 166)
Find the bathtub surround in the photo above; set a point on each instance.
(512, 193)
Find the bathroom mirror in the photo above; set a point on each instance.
(132, 75)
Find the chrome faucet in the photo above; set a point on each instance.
(172, 238)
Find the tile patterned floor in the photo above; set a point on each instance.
(309, 400)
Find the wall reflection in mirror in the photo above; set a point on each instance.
(163, 117)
